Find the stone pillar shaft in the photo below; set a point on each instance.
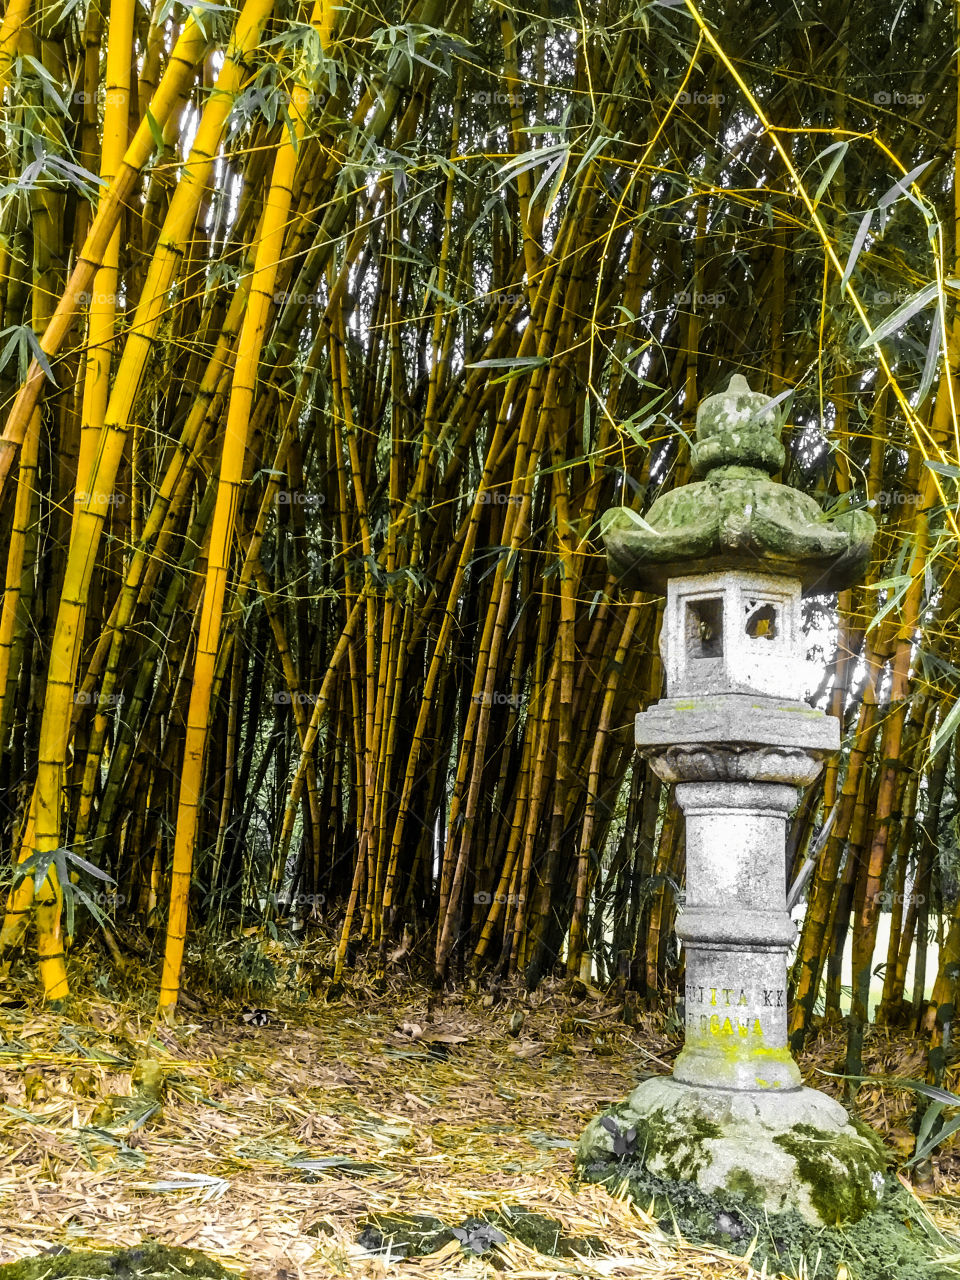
(736, 795)
(736, 933)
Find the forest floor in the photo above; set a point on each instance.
(267, 1139)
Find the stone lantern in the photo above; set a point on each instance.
(734, 552)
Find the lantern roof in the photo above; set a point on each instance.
(736, 517)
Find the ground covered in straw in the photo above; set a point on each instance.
(269, 1137)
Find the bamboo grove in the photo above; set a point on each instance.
(328, 334)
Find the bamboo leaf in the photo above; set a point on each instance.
(88, 867)
(945, 730)
(899, 318)
(931, 360)
(155, 131)
(899, 188)
(934, 1140)
(840, 150)
(943, 468)
(40, 355)
(859, 240)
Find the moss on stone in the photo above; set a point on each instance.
(871, 1135)
(149, 1261)
(677, 1141)
(836, 1199)
(742, 1183)
(892, 1242)
(674, 1140)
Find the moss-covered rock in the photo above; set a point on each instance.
(404, 1235)
(780, 1151)
(149, 1261)
(671, 1143)
(541, 1232)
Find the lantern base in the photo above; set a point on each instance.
(781, 1150)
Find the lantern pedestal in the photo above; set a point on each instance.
(736, 769)
(734, 1118)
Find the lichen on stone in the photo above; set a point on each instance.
(736, 511)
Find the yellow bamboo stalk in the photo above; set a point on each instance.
(89, 519)
(577, 932)
(21, 896)
(269, 254)
(188, 50)
(19, 534)
(13, 20)
(103, 302)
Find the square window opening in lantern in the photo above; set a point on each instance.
(705, 628)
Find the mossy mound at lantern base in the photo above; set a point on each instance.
(150, 1261)
(791, 1150)
(893, 1242)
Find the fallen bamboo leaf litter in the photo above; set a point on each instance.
(270, 1147)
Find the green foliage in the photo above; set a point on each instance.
(894, 1242)
(149, 1261)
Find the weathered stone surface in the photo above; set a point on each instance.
(737, 426)
(719, 735)
(795, 1150)
(736, 933)
(737, 517)
(148, 1261)
(735, 632)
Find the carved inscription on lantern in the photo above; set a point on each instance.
(730, 1011)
